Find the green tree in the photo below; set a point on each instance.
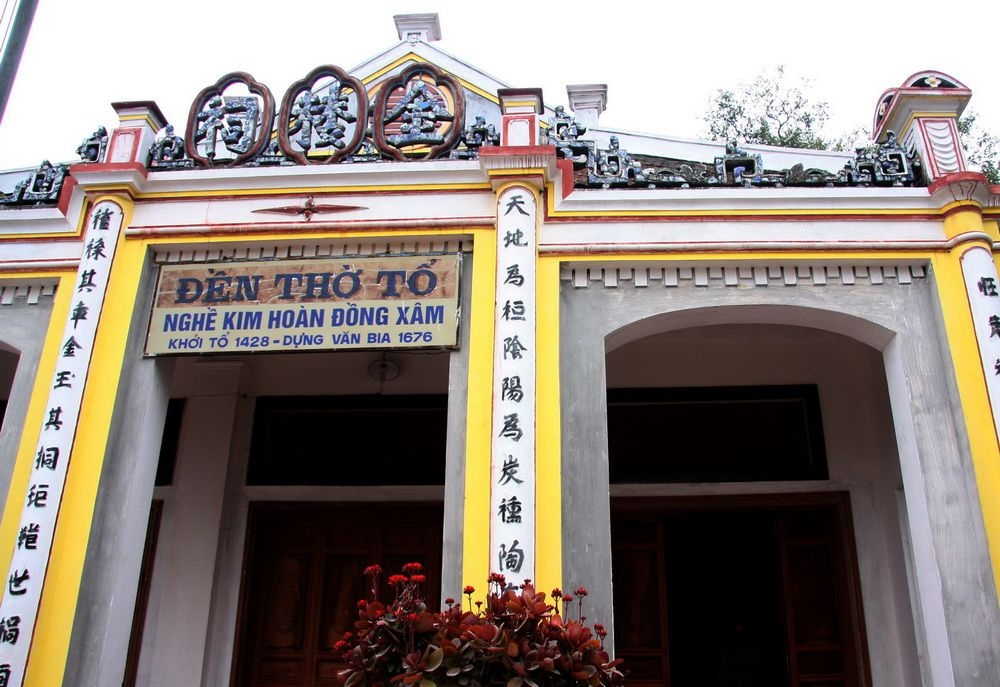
(982, 149)
(768, 111)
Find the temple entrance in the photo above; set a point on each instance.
(753, 473)
(304, 576)
(738, 592)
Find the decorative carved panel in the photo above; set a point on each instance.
(323, 117)
(418, 114)
(227, 126)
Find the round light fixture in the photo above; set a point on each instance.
(383, 370)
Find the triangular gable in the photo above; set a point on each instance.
(476, 82)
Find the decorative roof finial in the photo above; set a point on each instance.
(414, 28)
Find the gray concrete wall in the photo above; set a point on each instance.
(956, 618)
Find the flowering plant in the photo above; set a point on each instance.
(515, 638)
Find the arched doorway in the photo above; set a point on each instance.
(736, 453)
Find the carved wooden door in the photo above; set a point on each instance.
(304, 578)
(745, 597)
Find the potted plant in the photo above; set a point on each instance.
(516, 638)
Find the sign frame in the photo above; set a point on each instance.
(387, 302)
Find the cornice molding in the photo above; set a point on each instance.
(741, 275)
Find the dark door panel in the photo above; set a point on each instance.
(304, 578)
(721, 592)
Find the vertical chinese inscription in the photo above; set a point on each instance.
(40, 506)
(983, 289)
(512, 493)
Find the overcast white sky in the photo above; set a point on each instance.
(661, 60)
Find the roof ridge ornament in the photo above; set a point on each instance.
(94, 146)
(41, 186)
(417, 28)
(588, 101)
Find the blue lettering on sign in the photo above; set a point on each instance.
(345, 338)
(190, 322)
(378, 338)
(353, 315)
(297, 340)
(217, 289)
(242, 320)
(293, 319)
(185, 344)
(420, 314)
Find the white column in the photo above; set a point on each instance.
(177, 628)
(512, 494)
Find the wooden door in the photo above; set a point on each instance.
(303, 579)
(823, 642)
(747, 596)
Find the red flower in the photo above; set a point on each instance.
(507, 633)
(581, 592)
(373, 570)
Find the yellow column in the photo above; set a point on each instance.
(476, 536)
(970, 376)
(548, 435)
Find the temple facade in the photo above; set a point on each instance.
(747, 396)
